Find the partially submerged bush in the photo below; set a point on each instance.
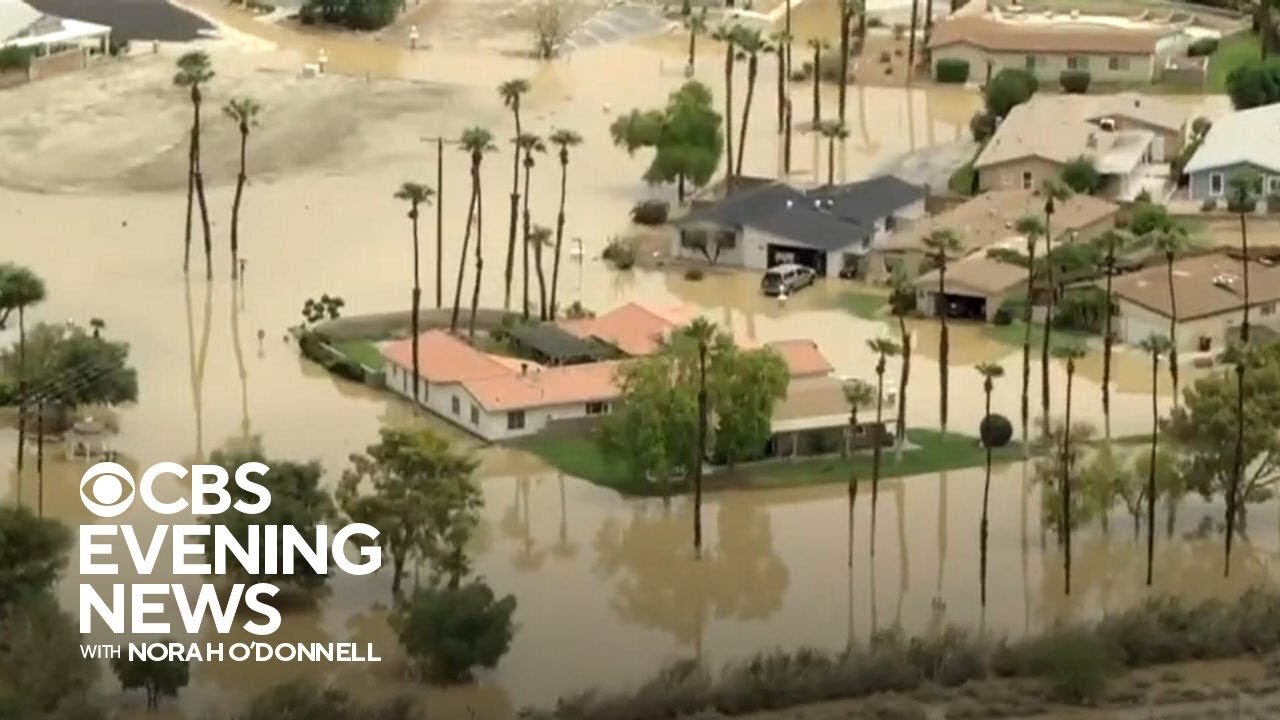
(1202, 47)
(620, 253)
(1076, 662)
(650, 212)
(952, 70)
(1075, 81)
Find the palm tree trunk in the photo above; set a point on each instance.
(555, 262)
(1107, 343)
(1026, 348)
(853, 475)
(191, 186)
(1244, 271)
(817, 93)
(875, 451)
(462, 256)
(693, 38)
(786, 141)
(417, 303)
(842, 82)
(928, 30)
(944, 345)
(1173, 333)
(200, 198)
(728, 115)
(911, 41)
(475, 292)
(1233, 488)
(782, 89)
(515, 209)
(1151, 471)
(1066, 486)
(903, 377)
(702, 449)
(235, 204)
(986, 497)
(1048, 326)
(831, 159)
(524, 253)
(752, 70)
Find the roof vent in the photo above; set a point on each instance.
(1108, 124)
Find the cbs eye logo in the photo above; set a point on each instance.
(107, 489)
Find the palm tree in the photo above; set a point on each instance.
(1030, 228)
(530, 144)
(778, 43)
(882, 347)
(911, 42)
(511, 91)
(564, 139)
(98, 325)
(842, 82)
(818, 45)
(1244, 187)
(540, 237)
(476, 141)
(1050, 190)
(989, 373)
(902, 301)
(832, 130)
(20, 288)
(928, 26)
(702, 332)
(415, 194)
(940, 245)
(1111, 238)
(1171, 240)
(194, 70)
(1155, 346)
(696, 24)
(1069, 353)
(858, 393)
(244, 113)
(728, 35)
(752, 43)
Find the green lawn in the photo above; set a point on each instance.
(1013, 334)
(1232, 52)
(866, 305)
(582, 457)
(364, 352)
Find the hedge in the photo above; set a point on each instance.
(1074, 81)
(952, 70)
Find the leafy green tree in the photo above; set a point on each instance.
(744, 385)
(1008, 89)
(1154, 346)
(416, 194)
(989, 373)
(452, 630)
(20, 288)
(41, 669)
(941, 246)
(33, 552)
(1081, 175)
(1255, 83)
(685, 135)
(511, 92)
(422, 498)
(160, 678)
(244, 112)
(476, 142)
(1148, 217)
(298, 500)
(67, 367)
(564, 139)
(194, 70)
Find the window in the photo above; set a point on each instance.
(1269, 309)
(1215, 183)
(597, 408)
(1117, 62)
(1273, 185)
(455, 406)
(1031, 62)
(1077, 62)
(515, 420)
(1026, 180)
(475, 415)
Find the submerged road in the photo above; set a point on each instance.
(131, 19)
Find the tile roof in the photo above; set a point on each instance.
(561, 385)
(1056, 128)
(1146, 109)
(444, 358)
(1249, 136)
(634, 328)
(1205, 285)
(803, 357)
(1031, 36)
(978, 273)
(990, 218)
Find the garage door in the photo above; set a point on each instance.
(816, 259)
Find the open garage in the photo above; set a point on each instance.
(809, 257)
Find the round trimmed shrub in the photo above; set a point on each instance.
(952, 70)
(995, 430)
(1075, 81)
(650, 212)
(1209, 205)
(1202, 47)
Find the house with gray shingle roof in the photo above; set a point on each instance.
(1245, 140)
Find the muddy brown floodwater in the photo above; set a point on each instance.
(91, 197)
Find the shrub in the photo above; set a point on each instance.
(1147, 216)
(1081, 175)
(1255, 83)
(117, 46)
(451, 630)
(982, 126)
(1002, 316)
(1209, 205)
(964, 181)
(1076, 663)
(650, 212)
(693, 274)
(620, 253)
(354, 14)
(15, 58)
(346, 368)
(951, 70)
(886, 56)
(577, 310)
(875, 21)
(1075, 81)
(995, 430)
(1202, 47)
(1009, 88)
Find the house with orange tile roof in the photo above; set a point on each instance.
(634, 329)
(499, 398)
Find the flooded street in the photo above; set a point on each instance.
(102, 222)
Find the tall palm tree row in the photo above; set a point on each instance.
(940, 246)
(832, 130)
(1032, 229)
(883, 348)
(859, 394)
(475, 141)
(989, 373)
(564, 139)
(1069, 353)
(511, 92)
(529, 143)
(728, 34)
(1244, 187)
(415, 194)
(20, 288)
(1155, 346)
(751, 43)
(194, 70)
(244, 113)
